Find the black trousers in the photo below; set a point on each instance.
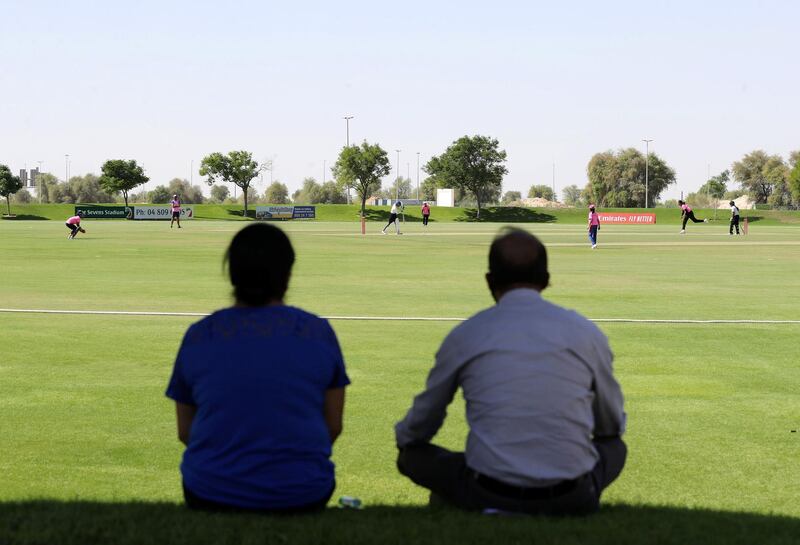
(447, 476)
(195, 502)
(392, 219)
(690, 216)
(734, 223)
(425, 219)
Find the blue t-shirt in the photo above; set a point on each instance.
(258, 378)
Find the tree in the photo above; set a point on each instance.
(701, 199)
(188, 193)
(86, 189)
(140, 197)
(716, 186)
(474, 164)
(45, 181)
(23, 196)
(276, 193)
(309, 193)
(618, 179)
(794, 182)
(9, 184)
(331, 193)
(121, 175)
(711, 192)
(238, 167)
(400, 189)
(541, 192)
(250, 196)
(511, 196)
(160, 195)
(794, 159)
(758, 172)
(734, 194)
(572, 195)
(427, 190)
(219, 193)
(361, 168)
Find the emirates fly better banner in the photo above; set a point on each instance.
(626, 218)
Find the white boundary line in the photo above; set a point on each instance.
(388, 318)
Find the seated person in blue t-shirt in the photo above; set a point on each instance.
(259, 391)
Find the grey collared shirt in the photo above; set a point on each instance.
(538, 384)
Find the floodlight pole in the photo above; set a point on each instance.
(66, 167)
(646, 171)
(397, 178)
(417, 175)
(40, 180)
(347, 119)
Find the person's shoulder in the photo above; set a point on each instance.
(309, 324)
(200, 331)
(471, 327)
(572, 320)
(301, 314)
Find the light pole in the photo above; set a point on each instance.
(417, 175)
(66, 167)
(554, 181)
(646, 171)
(397, 178)
(347, 119)
(191, 173)
(408, 174)
(39, 190)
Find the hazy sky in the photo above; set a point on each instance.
(167, 82)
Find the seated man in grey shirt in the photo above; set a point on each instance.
(544, 411)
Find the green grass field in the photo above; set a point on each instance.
(89, 449)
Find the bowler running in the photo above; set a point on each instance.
(686, 215)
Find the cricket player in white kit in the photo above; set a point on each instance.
(396, 209)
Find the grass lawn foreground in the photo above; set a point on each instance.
(89, 452)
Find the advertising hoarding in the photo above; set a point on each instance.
(274, 212)
(103, 211)
(160, 213)
(627, 218)
(304, 213)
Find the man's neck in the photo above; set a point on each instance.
(498, 294)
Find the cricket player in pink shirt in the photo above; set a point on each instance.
(594, 225)
(686, 215)
(176, 211)
(426, 213)
(74, 225)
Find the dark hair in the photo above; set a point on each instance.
(517, 257)
(259, 259)
(681, 202)
(732, 203)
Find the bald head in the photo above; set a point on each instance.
(517, 259)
